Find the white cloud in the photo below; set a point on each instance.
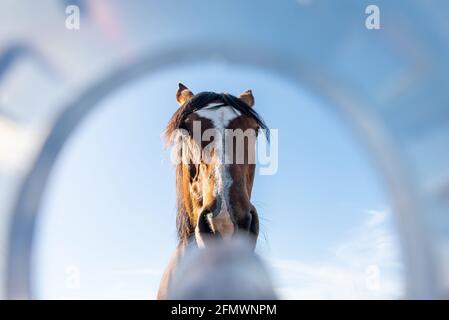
(366, 265)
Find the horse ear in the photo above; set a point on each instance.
(248, 98)
(183, 94)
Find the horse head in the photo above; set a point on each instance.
(214, 139)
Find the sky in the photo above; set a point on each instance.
(107, 224)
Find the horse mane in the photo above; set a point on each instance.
(198, 102)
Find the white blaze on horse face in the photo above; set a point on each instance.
(221, 117)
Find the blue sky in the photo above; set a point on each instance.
(107, 225)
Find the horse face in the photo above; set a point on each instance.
(218, 181)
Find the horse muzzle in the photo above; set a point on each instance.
(224, 226)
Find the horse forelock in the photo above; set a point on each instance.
(201, 101)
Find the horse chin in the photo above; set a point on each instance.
(204, 240)
(248, 238)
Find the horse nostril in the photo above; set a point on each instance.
(245, 222)
(250, 225)
(254, 224)
(204, 230)
(204, 222)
